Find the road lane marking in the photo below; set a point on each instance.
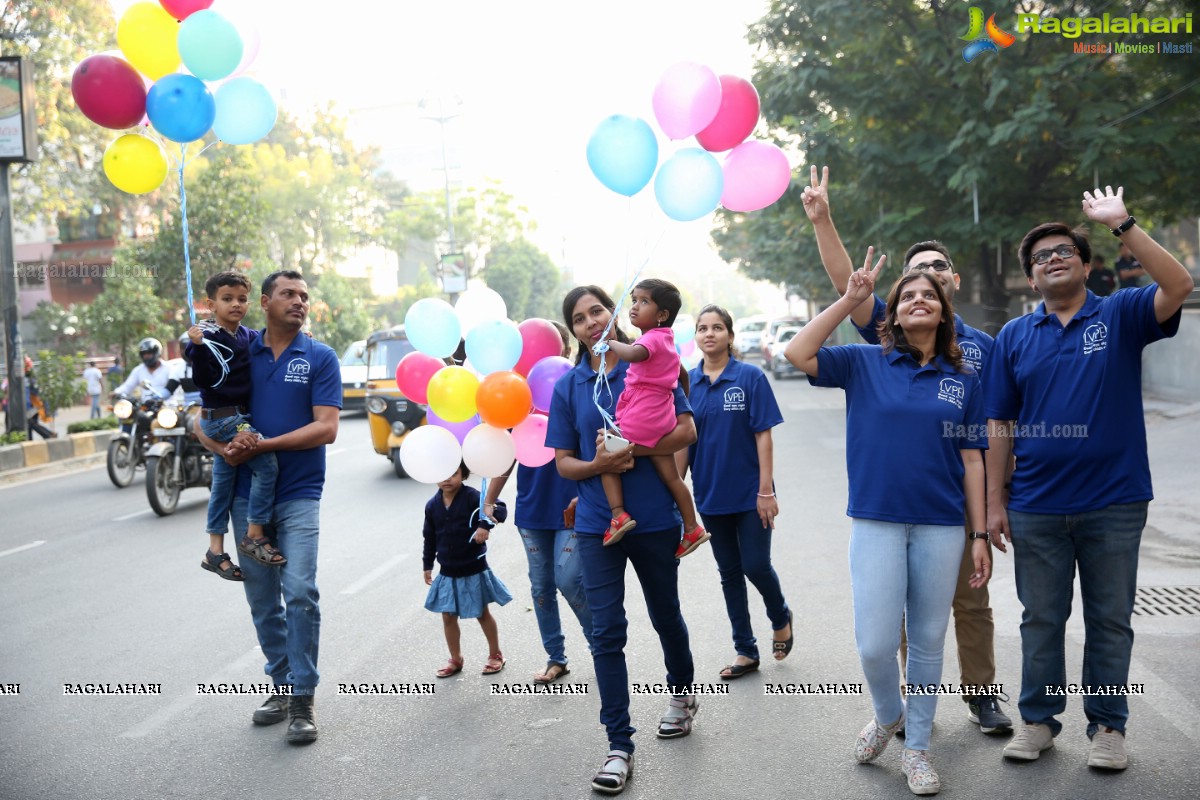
(134, 514)
(335, 452)
(378, 572)
(29, 546)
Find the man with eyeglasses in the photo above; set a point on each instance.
(973, 627)
(1069, 375)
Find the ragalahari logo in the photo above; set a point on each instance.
(984, 38)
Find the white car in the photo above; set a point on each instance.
(747, 336)
(780, 366)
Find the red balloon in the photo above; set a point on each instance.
(413, 374)
(504, 399)
(109, 92)
(182, 9)
(539, 339)
(736, 117)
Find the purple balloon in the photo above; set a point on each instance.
(459, 429)
(542, 378)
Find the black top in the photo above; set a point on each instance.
(206, 369)
(448, 532)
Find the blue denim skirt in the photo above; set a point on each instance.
(467, 596)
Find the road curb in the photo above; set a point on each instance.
(18, 460)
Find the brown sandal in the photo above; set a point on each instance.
(262, 551)
(453, 667)
(494, 664)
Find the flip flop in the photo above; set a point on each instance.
(738, 670)
(542, 678)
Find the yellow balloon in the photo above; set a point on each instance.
(135, 164)
(147, 36)
(452, 393)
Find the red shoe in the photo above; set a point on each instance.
(617, 528)
(691, 540)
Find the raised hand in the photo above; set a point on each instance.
(816, 195)
(862, 282)
(1106, 207)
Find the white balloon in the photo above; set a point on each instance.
(488, 451)
(430, 454)
(479, 304)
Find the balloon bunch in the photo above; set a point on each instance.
(493, 408)
(721, 112)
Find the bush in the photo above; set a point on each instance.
(103, 424)
(16, 437)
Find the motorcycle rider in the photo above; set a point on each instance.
(181, 375)
(151, 369)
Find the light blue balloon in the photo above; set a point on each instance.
(623, 153)
(689, 185)
(432, 327)
(246, 112)
(180, 107)
(494, 346)
(210, 45)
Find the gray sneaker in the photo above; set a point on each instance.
(1108, 750)
(1029, 741)
(984, 710)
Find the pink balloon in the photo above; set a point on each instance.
(539, 339)
(530, 440)
(756, 175)
(736, 117)
(686, 99)
(459, 429)
(182, 9)
(413, 374)
(109, 91)
(542, 378)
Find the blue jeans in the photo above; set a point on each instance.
(265, 470)
(284, 601)
(742, 548)
(903, 574)
(95, 414)
(1046, 548)
(555, 566)
(653, 557)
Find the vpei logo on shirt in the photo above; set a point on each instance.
(972, 355)
(1095, 338)
(735, 399)
(297, 371)
(952, 391)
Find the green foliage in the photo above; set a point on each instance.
(386, 313)
(56, 327)
(127, 311)
(13, 437)
(102, 424)
(526, 278)
(59, 384)
(338, 310)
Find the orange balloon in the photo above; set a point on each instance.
(503, 399)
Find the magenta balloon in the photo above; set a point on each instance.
(182, 9)
(529, 439)
(736, 117)
(459, 429)
(539, 339)
(542, 378)
(109, 92)
(413, 374)
(756, 175)
(686, 99)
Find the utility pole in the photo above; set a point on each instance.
(443, 116)
(12, 315)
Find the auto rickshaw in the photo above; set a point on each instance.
(390, 414)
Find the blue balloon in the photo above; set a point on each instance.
(689, 185)
(494, 346)
(623, 153)
(246, 112)
(180, 107)
(209, 45)
(432, 327)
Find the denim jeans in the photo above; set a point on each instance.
(1046, 548)
(903, 571)
(742, 548)
(284, 601)
(555, 566)
(265, 470)
(653, 557)
(95, 413)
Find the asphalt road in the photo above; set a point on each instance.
(94, 588)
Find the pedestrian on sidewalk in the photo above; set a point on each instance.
(95, 387)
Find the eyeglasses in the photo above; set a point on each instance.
(936, 265)
(1062, 251)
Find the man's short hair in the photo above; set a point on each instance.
(921, 247)
(1077, 235)
(268, 284)
(227, 278)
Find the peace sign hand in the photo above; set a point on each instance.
(1106, 207)
(862, 282)
(816, 195)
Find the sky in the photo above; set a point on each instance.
(527, 83)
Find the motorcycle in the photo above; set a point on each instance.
(176, 460)
(127, 450)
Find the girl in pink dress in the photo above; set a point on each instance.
(646, 409)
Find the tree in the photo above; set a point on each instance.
(56, 327)
(1024, 131)
(338, 310)
(526, 278)
(59, 384)
(126, 312)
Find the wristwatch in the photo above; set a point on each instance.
(973, 535)
(1124, 226)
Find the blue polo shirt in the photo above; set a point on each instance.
(282, 397)
(905, 426)
(975, 345)
(729, 412)
(542, 495)
(574, 421)
(1076, 396)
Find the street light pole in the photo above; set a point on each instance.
(442, 117)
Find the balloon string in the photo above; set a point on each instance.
(187, 259)
(481, 516)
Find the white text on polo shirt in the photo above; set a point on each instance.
(297, 371)
(1095, 338)
(735, 399)
(952, 391)
(972, 356)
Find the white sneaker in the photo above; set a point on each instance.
(1029, 741)
(1108, 750)
(873, 739)
(922, 778)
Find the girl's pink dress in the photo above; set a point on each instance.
(646, 408)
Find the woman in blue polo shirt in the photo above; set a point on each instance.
(733, 480)
(575, 423)
(914, 431)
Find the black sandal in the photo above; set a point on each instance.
(212, 562)
(785, 646)
(545, 677)
(738, 670)
(262, 551)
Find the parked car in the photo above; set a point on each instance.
(354, 377)
(772, 330)
(747, 336)
(780, 366)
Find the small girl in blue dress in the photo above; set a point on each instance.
(464, 585)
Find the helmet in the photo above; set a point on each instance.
(184, 341)
(149, 345)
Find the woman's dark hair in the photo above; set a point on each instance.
(568, 308)
(891, 335)
(1076, 235)
(665, 296)
(565, 335)
(727, 318)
